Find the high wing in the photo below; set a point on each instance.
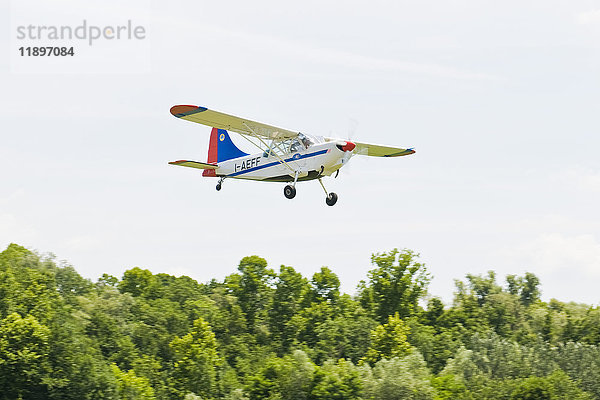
(377, 150)
(204, 116)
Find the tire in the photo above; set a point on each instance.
(218, 186)
(289, 191)
(331, 199)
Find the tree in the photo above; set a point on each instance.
(291, 287)
(69, 283)
(326, 286)
(389, 340)
(287, 378)
(580, 362)
(139, 282)
(27, 284)
(306, 323)
(533, 388)
(435, 310)
(399, 378)
(436, 343)
(483, 287)
(195, 360)
(24, 363)
(107, 280)
(347, 334)
(448, 387)
(79, 371)
(254, 290)
(339, 380)
(396, 285)
(132, 387)
(527, 287)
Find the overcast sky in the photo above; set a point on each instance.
(500, 99)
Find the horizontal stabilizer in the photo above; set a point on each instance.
(194, 164)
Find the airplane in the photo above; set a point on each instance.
(284, 155)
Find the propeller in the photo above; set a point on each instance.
(348, 146)
(352, 126)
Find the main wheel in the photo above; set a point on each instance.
(218, 186)
(331, 199)
(289, 191)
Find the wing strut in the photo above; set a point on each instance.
(266, 145)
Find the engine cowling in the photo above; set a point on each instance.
(345, 146)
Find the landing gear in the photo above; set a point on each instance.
(220, 183)
(289, 191)
(331, 198)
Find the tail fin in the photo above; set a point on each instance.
(221, 148)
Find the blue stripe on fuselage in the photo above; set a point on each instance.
(316, 153)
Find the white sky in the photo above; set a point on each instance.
(500, 99)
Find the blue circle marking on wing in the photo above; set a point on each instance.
(222, 137)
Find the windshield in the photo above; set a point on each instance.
(302, 142)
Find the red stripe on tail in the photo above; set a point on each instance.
(212, 152)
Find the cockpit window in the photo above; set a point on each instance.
(296, 146)
(305, 140)
(301, 142)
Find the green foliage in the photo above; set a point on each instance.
(533, 388)
(289, 292)
(139, 282)
(195, 360)
(448, 387)
(326, 286)
(262, 335)
(24, 347)
(399, 378)
(287, 378)
(70, 284)
(389, 340)
(336, 380)
(253, 288)
(78, 368)
(347, 334)
(565, 388)
(436, 343)
(132, 387)
(527, 288)
(494, 365)
(396, 285)
(581, 362)
(27, 284)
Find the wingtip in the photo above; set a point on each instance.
(183, 110)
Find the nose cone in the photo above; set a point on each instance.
(346, 146)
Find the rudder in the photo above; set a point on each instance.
(221, 148)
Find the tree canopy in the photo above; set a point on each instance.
(262, 334)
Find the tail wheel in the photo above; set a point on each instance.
(218, 186)
(289, 191)
(331, 199)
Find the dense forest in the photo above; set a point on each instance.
(275, 334)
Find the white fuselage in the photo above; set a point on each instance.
(317, 160)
